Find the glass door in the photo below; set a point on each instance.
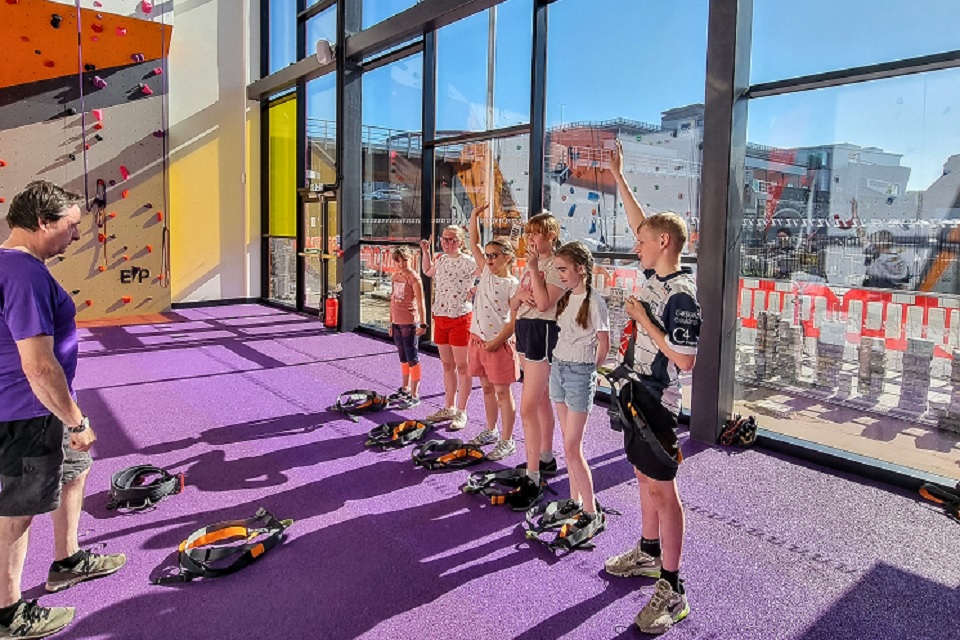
(320, 250)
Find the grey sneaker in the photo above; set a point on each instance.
(486, 437)
(92, 565)
(408, 402)
(444, 415)
(665, 609)
(459, 421)
(33, 621)
(633, 562)
(504, 449)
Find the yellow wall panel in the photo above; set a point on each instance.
(195, 253)
(283, 168)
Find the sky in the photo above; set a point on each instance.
(636, 58)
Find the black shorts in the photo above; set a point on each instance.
(35, 461)
(664, 426)
(536, 339)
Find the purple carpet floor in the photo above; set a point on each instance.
(236, 397)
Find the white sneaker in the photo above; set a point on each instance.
(487, 436)
(459, 421)
(504, 449)
(445, 414)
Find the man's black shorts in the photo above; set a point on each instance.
(536, 339)
(35, 461)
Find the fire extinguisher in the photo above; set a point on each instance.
(331, 313)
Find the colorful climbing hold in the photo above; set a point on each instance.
(25, 38)
(72, 156)
(126, 258)
(159, 216)
(149, 248)
(99, 82)
(90, 67)
(121, 31)
(101, 268)
(148, 206)
(98, 137)
(113, 182)
(146, 6)
(49, 63)
(98, 126)
(145, 89)
(55, 21)
(3, 163)
(124, 172)
(97, 27)
(157, 71)
(158, 133)
(137, 57)
(89, 303)
(127, 299)
(71, 111)
(2, 199)
(101, 237)
(126, 192)
(112, 214)
(94, 39)
(97, 114)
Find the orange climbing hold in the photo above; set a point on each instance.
(89, 303)
(126, 192)
(149, 248)
(127, 299)
(159, 216)
(2, 200)
(126, 258)
(101, 237)
(101, 268)
(3, 163)
(112, 214)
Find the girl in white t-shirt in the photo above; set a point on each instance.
(452, 272)
(582, 347)
(492, 351)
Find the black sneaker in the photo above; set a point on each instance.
(399, 394)
(527, 494)
(33, 621)
(548, 469)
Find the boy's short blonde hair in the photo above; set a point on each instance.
(670, 223)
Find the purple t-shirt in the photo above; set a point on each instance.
(32, 303)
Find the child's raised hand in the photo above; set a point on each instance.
(425, 245)
(616, 158)
(478, 210)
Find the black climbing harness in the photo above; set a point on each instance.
(630, 395)
(740, 431)
(357, 401)
(142, 486)
(949, 499)
(502, 487)
(226, 547)
(447, 454)
(561, 521)
(391, 435)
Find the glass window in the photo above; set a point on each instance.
(282, 261)
(838, 35)
(376, 272)
(321, 152)
(472, 96)
(282, 172)
(392, 150)
(283, 34)
(375, 11)
(655, 109)
(850, 291)
(466, 178)
(323, 25)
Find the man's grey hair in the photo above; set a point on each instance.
(40, 201)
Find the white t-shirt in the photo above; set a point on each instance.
(549, 273)
(491, 307)
(452, 284)
(577, 344)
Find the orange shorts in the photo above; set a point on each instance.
(452, 331)
(500, 367)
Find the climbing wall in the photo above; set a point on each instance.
(82, 104)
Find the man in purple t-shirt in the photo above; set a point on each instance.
(44, 437)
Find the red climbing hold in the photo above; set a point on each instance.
(147, 6)
(121, 31)
(101, 237)
(159, 216)
(12, 1)
(97, 27)
(87, 147)
(124, 172)
(3, 163)
(127, 299)
(2, 200)
(89, 303)
(97, 3)
(101, 268)
(49, 63)
(146, 90)
(149, 248)
(98, 126)
(126, 192)
(112, 214)
(157, 71)
(97, 114)
(24, 38)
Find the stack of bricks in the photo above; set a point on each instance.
(915, 384)
(950, 420)
(766, 345)
(830, 346)
(789, 351)
(871, 355)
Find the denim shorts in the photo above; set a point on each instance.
(35, 461)
(573, 383)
